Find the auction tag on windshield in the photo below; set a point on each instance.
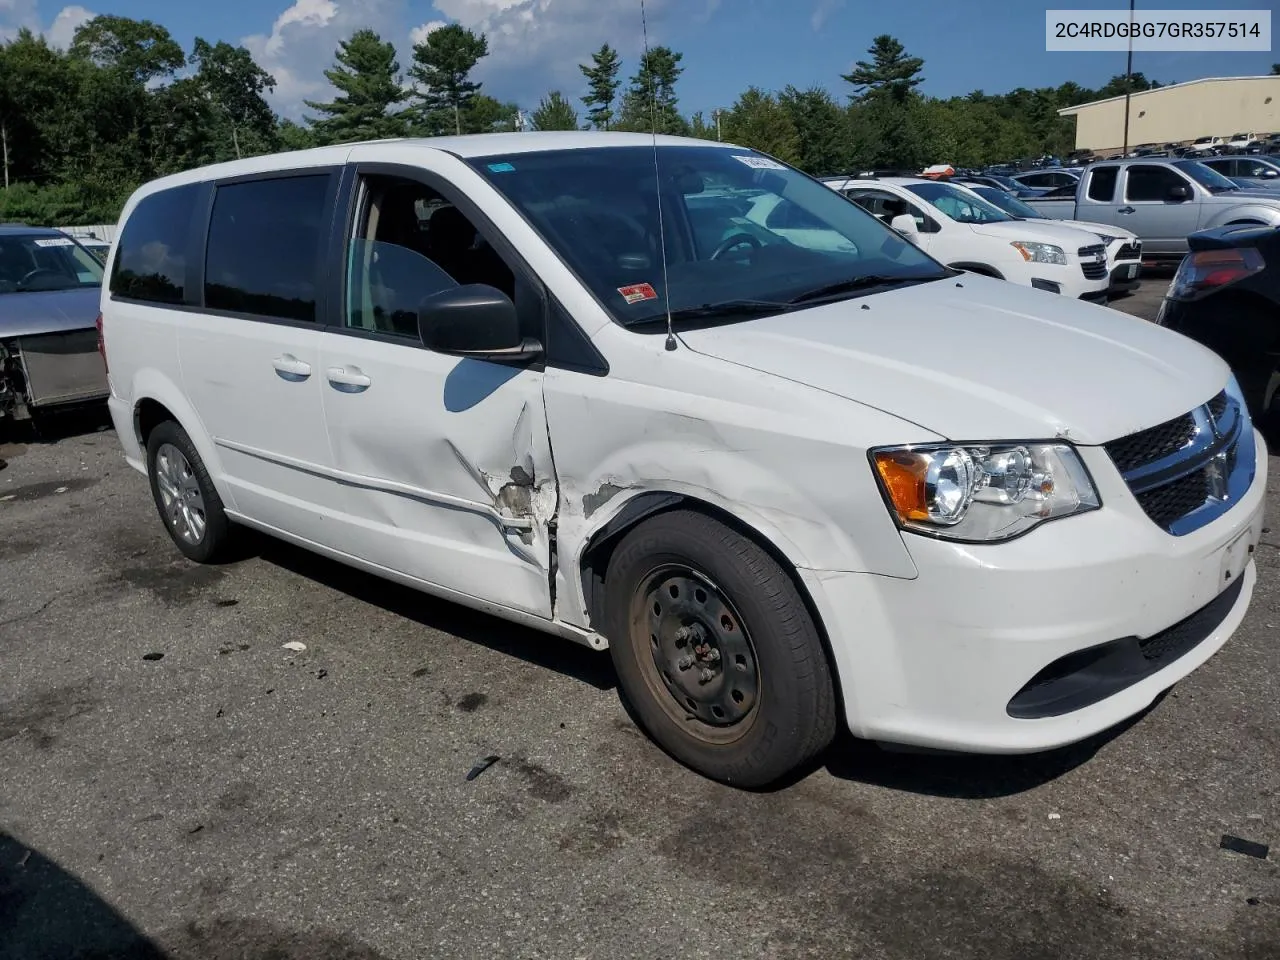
(760, 163)
(638, 292)
(54, 242)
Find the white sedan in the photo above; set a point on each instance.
(959, 228)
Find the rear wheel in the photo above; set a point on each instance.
(185, 495)
(716, 652)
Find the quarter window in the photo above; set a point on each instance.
(151, 253)
(1102, 184)
(265, 245)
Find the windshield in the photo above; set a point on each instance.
(32, 262)
(1207, 177)
(1007, 202)
(737, 227)
(960, 205)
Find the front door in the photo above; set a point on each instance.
(1152, 213)
(250, 355)
(445, 461)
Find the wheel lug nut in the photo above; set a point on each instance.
(707, 675)
(685, 663)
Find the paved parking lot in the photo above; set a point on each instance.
(174, 783)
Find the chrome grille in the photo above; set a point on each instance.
(1188, 471)
(1092, 267)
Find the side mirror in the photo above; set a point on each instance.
(1179, 193)
(475, 320)
(1270, 174)
(905, 224)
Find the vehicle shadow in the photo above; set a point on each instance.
(552, 653)
(965, 776)
(59, 425)
(47, 913)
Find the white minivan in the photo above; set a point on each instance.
(790, 484)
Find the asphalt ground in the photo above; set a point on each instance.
(174, 783)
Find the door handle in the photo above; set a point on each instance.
(348, 379)
(1126, 210)
(291, 368)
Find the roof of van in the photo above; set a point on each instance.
(468, 146)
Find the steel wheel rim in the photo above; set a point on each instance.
(696, 653)
(181, 500)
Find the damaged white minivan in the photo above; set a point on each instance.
(791, 471)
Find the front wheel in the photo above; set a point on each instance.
(185, 495)
(716, 652)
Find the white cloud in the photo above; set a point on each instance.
(822, 12)
(16, 15)
(63, 29)
(419, 34)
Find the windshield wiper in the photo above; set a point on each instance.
(859, 283)
(726, 310)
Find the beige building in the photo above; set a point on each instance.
(1180, 112)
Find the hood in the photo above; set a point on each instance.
(1039, 231)
(48, 311)
(986, 360)
(1251, 194)
(1110, 229)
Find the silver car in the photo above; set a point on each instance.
(49, 356)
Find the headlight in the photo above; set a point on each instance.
(1040, 252)
(983, 493)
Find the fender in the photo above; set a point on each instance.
(1260, 212)
(150, 384)
(982, 268)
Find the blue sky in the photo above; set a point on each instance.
(993, 45)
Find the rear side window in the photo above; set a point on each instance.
(263, 255)
(151, 252)
(1102, 184)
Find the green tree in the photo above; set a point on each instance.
(484, 114)
(141, 50)
(555, 113)
(701, 129)
(294, 136)
(650, 102)
(442, 64)
(367, 77)
(603, 83)
(233, 85)
(822, 135)
(759, 121)
(889, 71)
(1115, 87)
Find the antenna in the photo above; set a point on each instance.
(657, 180)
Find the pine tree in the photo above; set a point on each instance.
(602, 78)
(442, 64)
(650, 102)
(555, 113)
(890, 71)
(367, 77)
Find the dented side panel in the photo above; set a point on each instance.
(778, 456)
(446, 467)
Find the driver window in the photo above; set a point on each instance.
(409, 243)
(885, 206)
(1151, 183)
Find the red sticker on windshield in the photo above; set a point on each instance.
(638, 292)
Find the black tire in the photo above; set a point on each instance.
(792, 715)
(216, 537)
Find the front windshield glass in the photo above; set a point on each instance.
(30, 263)
(738, 227)
(960, 205)
(1007, 202)
(1207, 177)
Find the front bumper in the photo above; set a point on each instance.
(1126, 276)
(937, 661)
